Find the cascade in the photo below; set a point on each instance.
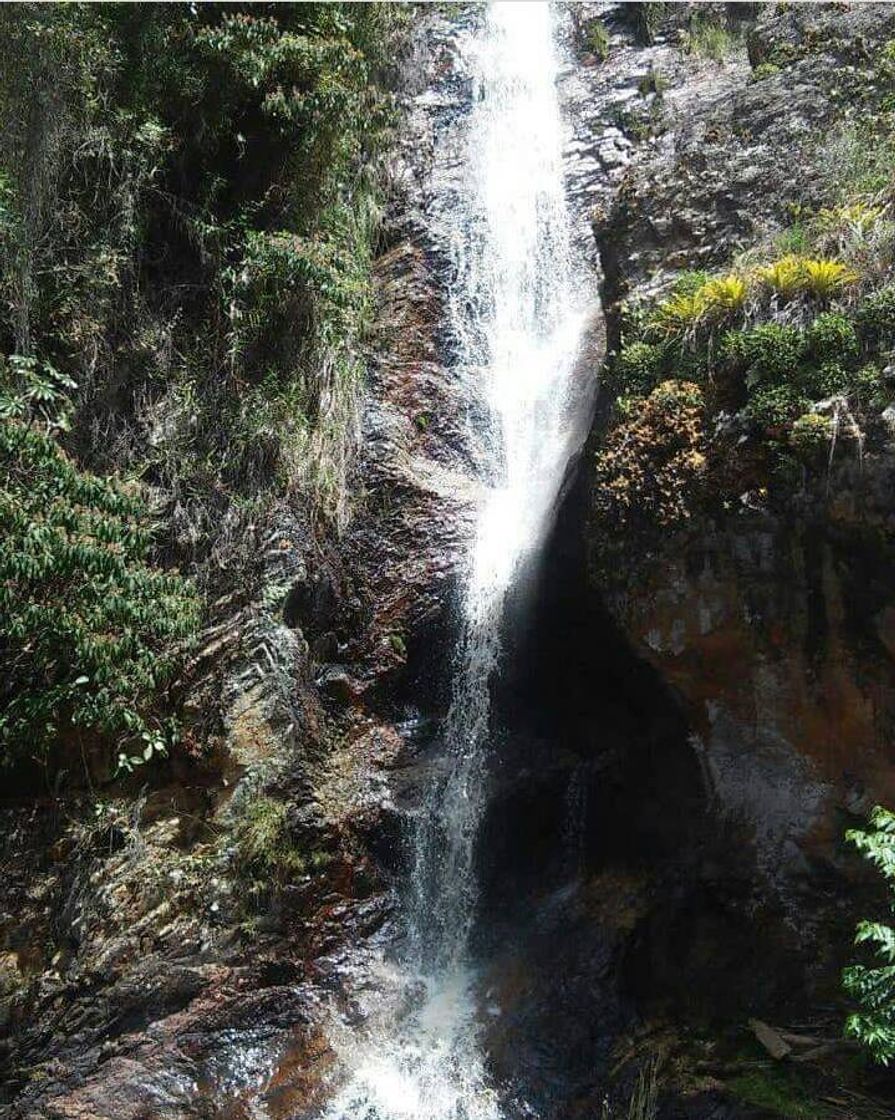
(517, 304)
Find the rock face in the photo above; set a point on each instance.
(140, 978)
(682, 744)
(771, 622)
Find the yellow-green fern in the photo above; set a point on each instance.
(785, 277)
(679, 315)
(725, 294)
(825, 277)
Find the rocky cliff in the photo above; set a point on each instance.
(698, 690)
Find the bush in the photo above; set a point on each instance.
(651, 467)
(872, 986)
(773, 408)
(870, 385)
(769, 353)
(875, 317)
(652, 82)
(810, 435)
(636, 369)
(826, 380)
(90, 628)
(597, 39)
(832, 338)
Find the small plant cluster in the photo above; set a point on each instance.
(708, 36)
(90, 630)
(788, 351)
(264, 852)
(871, 986)
(596, 38)
(702, 302)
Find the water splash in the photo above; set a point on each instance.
(516, 309)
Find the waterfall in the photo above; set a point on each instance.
(516, 313)
(517, 306)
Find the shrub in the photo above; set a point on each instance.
(636, 369)
(597, 39)
(810, 435)
(90, 629)
(773, 408)
(651, 467)
(652, 82)
(872, 986)
(870, 386)
(875, 316)
(768, 353)
(831, 337)
(825, 380)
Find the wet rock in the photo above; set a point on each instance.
(769, 624)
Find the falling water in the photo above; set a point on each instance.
(517, 309)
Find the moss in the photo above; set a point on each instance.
(765, 70)
(780, 1091)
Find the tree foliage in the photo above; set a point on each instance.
(188, 199)
(187, 212)
(89, 630)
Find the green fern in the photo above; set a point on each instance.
(872, 987)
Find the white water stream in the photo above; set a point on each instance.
(517, 310)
